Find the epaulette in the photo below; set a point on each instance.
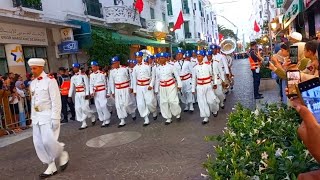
(50, 76)
(207, 63)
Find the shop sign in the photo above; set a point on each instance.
(308, 3)
(292, 12)
(14, 54)
(279, 3)
(26, 35)
(68, 47)
(67, 34)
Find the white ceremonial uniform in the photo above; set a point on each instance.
(98, 87)
(119, 86)
(220, 74)
(224, 64)
(203, 85)
(166, 79)
(185, 69)
(194, 61)
(143, 76)
(110, 101)
(46, 116)
(133, 105)
(79, 83)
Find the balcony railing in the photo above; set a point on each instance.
(94, 8)
(121, 15)
(156, 26)
(36, 4)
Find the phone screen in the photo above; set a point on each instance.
(310, 94)
(293, 80)
(294, 54)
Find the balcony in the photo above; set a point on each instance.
(122, 15)
(34, 4)
(94, 8)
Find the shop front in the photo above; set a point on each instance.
(312, 17)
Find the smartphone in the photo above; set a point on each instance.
(310, 95)
(293, 79)
(266, 61)
(294, 54)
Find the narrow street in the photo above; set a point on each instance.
(163, 152)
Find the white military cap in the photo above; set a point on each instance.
(36, 62)
(297, 36)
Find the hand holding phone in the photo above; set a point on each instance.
(293, 79)
(294, 54)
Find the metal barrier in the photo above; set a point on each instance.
(14, 117)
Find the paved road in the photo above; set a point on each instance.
(164, 152)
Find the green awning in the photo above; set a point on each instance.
(125, 39)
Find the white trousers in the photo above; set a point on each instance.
(82, 107)
(169, 102)
(220, 94)
(207, 100)
(187, 96)
(124, 104)
(146, 101)
(101, 101)
(46, 143)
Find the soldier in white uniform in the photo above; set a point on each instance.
(224, 64)
(79, 83)
(168, 83)
(120, 90)
(203, 85)
(184, 69)
(46, 116)
(143, 79)
(193, 59)
(219, 75)
(131, 64)
(98, 91)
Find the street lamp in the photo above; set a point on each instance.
(159, 26)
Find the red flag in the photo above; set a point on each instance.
(139, 6)
(256, 27)
(221, 37)
(179, 21)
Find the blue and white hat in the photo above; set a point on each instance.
(201, 52)
(94, 63)
(180, 51)
(213, 46)
(163, 55)
(140, 54)
(194, 51)
(168, 55)
(115, 59)
(129, 61)
(209, 52)
(134, 61)
(76, 65)
(188, 54)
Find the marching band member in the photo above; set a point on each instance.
(119, 88)
(46, 115)
(143, 79)
(131, 64)
(79, 83)
(194, 60)
(224, 64)
(166, 79)
(187, 57)
(184, 68)
(202, 83)
(98, 90)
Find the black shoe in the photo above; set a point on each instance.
(73, 118)
(215, 115)
(155, 118)
(45, 176)
(94, 123)
(167, 123)
(64, 167)
(82, 128)
(185, 110)
(145, 125)
(224, 100)
(64, 121)
(104, 126)
(191, 111)
(205, 122)
(222, 107)
(134, 118)
(120, 126)
(179, 119)
(259, 97)
(260, 94)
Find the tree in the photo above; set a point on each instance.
(227, 33)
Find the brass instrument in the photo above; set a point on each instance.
(228, 46)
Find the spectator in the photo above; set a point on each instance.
(318, 40)
(310, 51)
(21, 104)
(14, 107)
(1, 82)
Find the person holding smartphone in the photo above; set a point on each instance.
(255, 61)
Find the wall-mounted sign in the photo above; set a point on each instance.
(14, 55)
(17, 34)
(279, 3)
(68, 47)
(67, 34)
(292, 12)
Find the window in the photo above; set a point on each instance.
(194, 6)
(199, 35)
(185, 7)
(169, 7)
(143, 23)
(35, 52)
(152, 13)
(3, 61)
(171, 24)
(187, 30)
(93, 8)
(118, 2)
(164, 17)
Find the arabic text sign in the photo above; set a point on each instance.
(17, 34)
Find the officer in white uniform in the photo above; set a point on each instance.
(131, 64)
(184, 69)
(168, 83)
(79, 84)
(224, 64)
(98, 90)
(143, 79)
(202, 84)
(46, 116)
(194, 60)
(120, 90)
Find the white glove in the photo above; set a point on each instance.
(55, 124)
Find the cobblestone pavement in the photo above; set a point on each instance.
(164, 152)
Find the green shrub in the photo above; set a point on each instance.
(260, 145)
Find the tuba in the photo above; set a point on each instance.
(228, 46)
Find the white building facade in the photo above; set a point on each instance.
(200, 23)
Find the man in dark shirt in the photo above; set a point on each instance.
(1, 82)
(255, 60)
(64, 84)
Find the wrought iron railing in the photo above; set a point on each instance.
(34, 4)
(121, 14)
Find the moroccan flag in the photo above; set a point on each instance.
(221, 37)
(139, 6)
(256, 27)
(179, 21)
